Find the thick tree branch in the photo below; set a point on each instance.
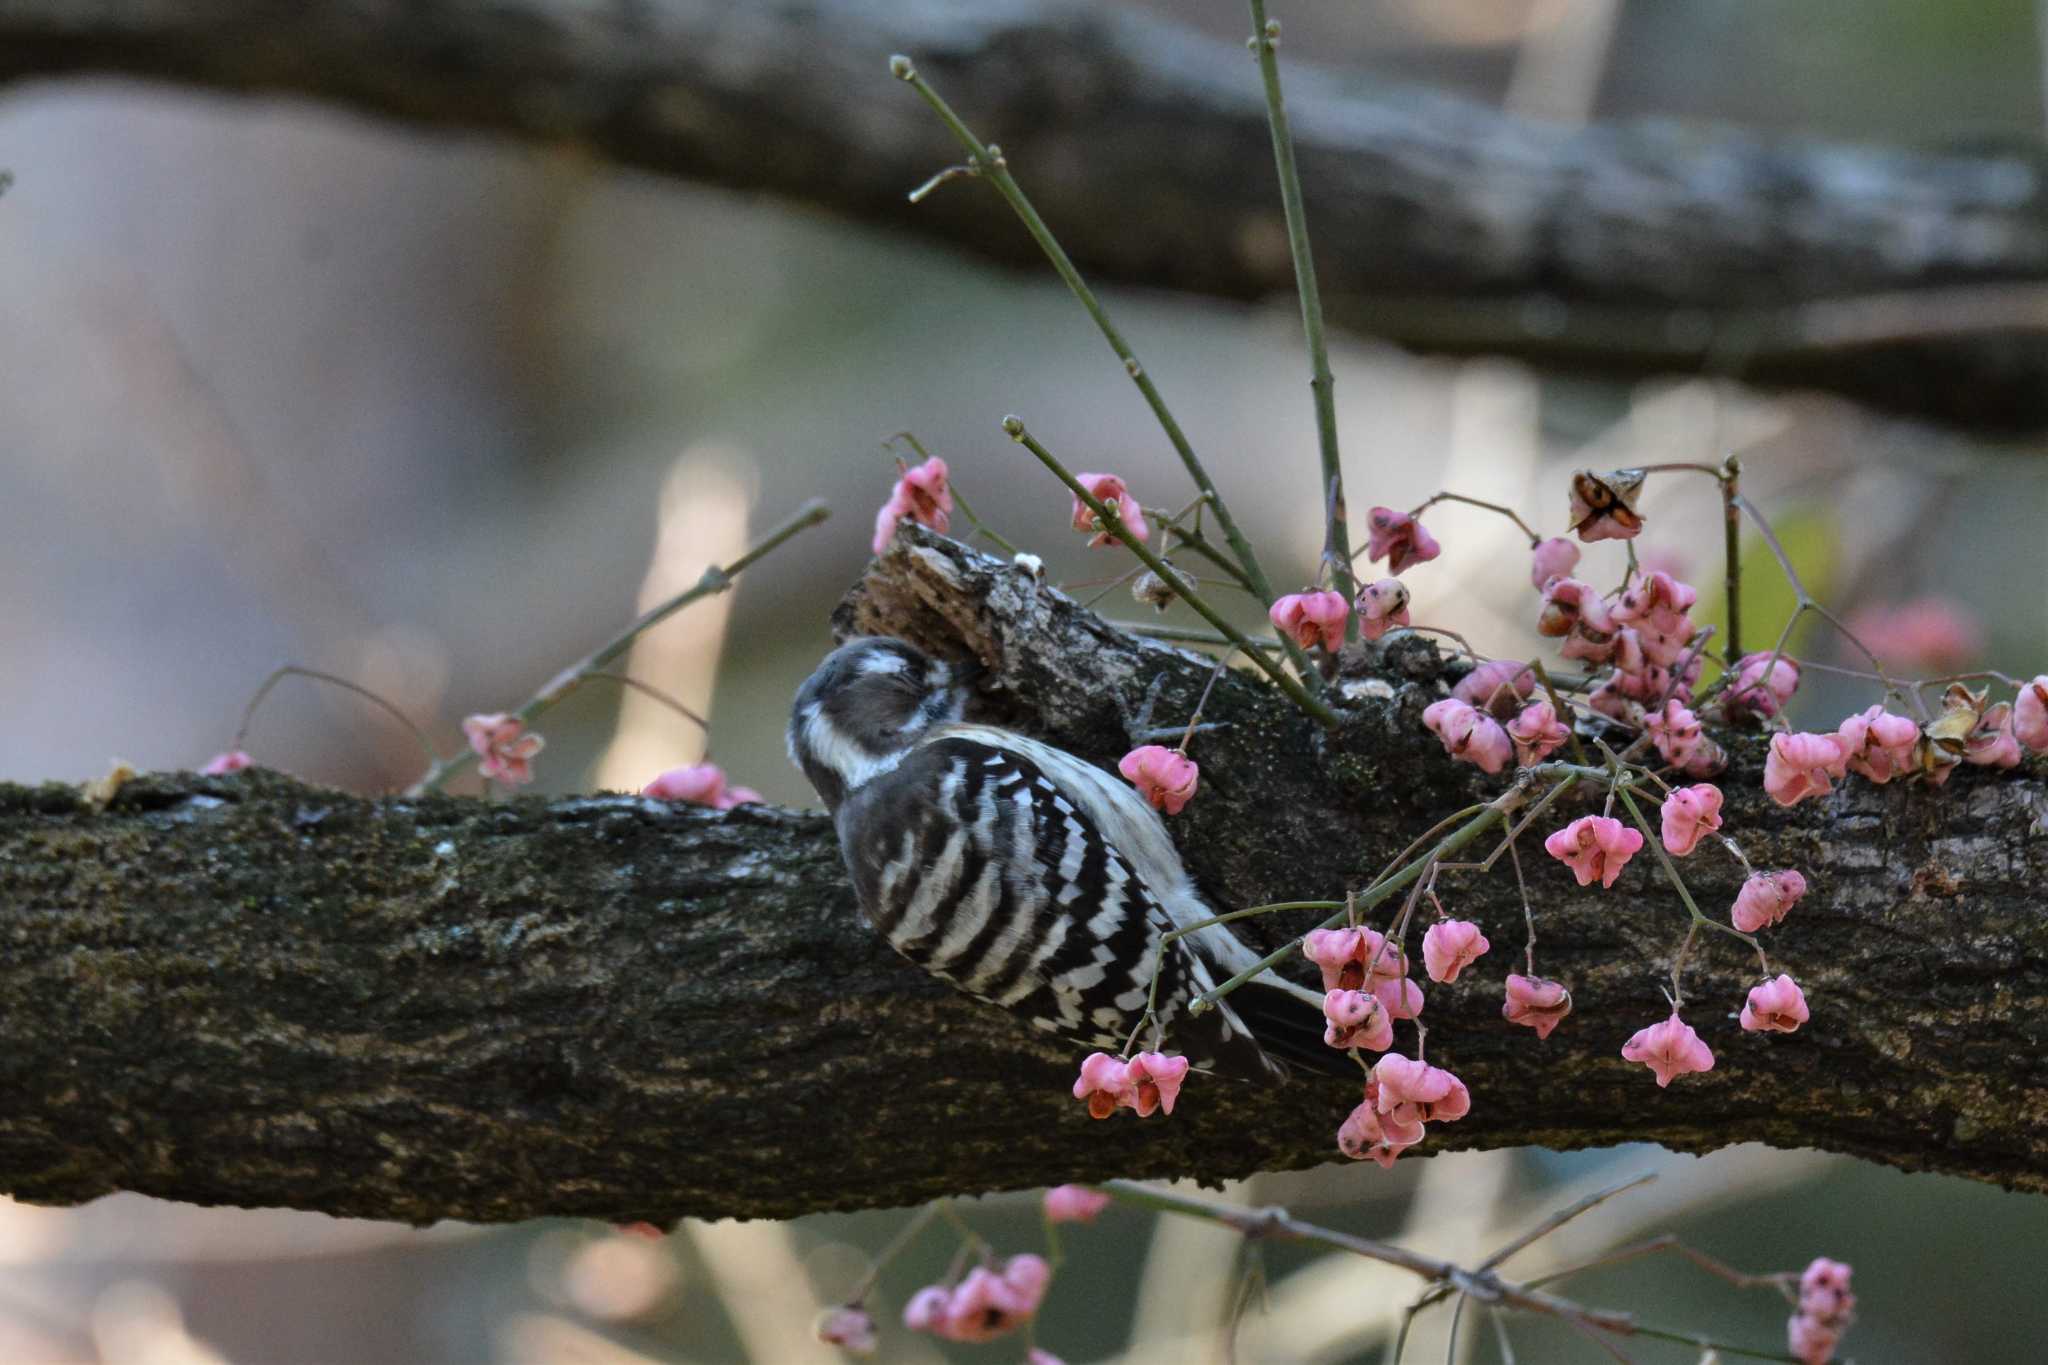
(1439, 223)
(246, 990)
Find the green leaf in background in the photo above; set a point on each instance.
(1808, 535)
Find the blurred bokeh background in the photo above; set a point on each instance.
(437, 412)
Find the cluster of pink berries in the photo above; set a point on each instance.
(1366, 988)
(989, 1303)
(991, 1300)
(1319, 618)
(1645, 638)
(1401, 1096)
(1145, 1083)
(1880, 746)
(1597, 847)
(1491, 720)
(986, 1304)
(1826, 1308)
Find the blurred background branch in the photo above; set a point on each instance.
(1444, 224)
(257, 992)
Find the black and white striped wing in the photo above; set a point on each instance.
(978, 868)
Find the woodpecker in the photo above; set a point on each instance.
(1025, 876)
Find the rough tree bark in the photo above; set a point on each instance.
(247, 990)
(1915, 281)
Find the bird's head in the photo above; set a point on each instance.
(863, 708)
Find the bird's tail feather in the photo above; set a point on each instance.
(1287, 1027)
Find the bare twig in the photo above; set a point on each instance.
(987, 162)
(715, 579)
(1265, 42)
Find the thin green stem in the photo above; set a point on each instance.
(1106, 516)
(1607, 1258)
(1919, 684)
(1507, 843)
(1265, 41)
(1203, 701)
(1252, 1284)
(1735, 852)
(1182, 635)
(1397, 934)
(1111, 584)
(1194, 540)
(1055, 1252)
(1249, 912)
(1564, 713)
(715, 579)
(1692, 933)
(1699, 919)
(981, 528)
(1351, 899)
(1159, 950)
(1731, 547)
(1372, 896)
(986, 160)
